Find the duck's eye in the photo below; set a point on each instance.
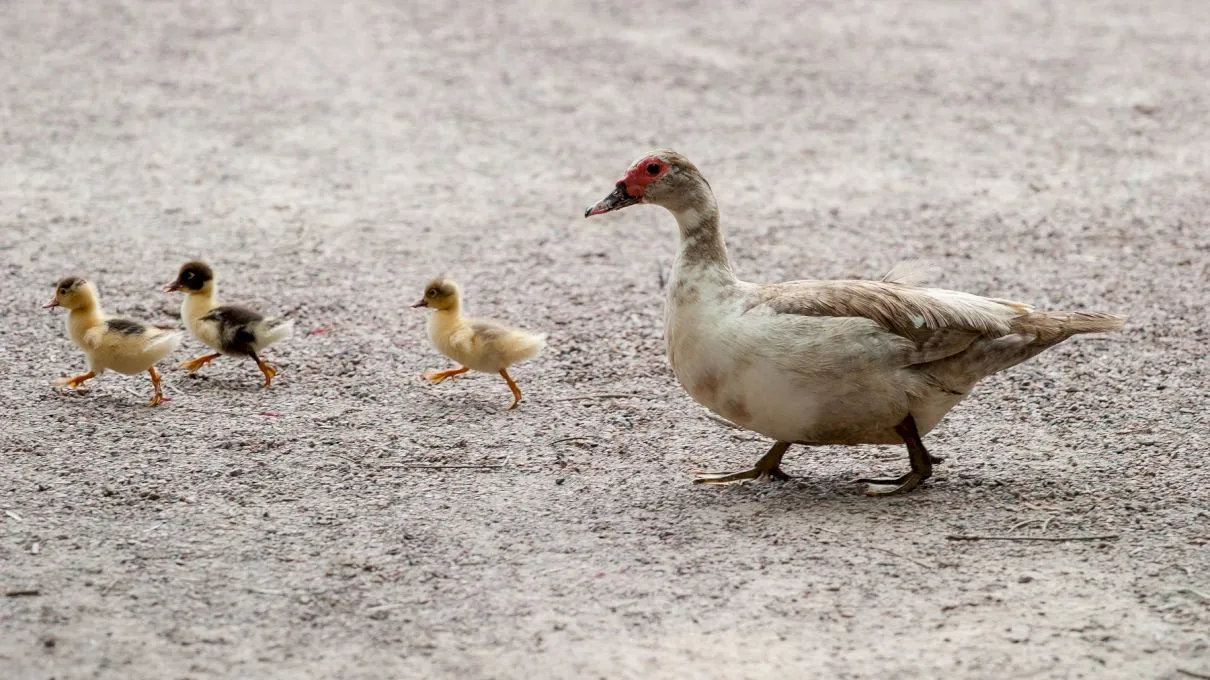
(432, 292)
(653, 169)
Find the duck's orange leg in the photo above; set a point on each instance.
(267, 370)
(73, 382)
(436, 377)
(512, 386)
(193, 365)
(159, 397)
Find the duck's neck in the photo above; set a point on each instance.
(89, 316)
(81, 319)
(702, 248)
(446, 321)
(198, 304)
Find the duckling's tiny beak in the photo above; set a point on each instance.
(421, 303)
(172, 287)
(52, 304)
(615, 201)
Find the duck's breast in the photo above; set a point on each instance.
(193, 308)
(452, 336)
(707, 355)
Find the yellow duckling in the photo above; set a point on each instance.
(478, 344)
(126, 346)
(226, 329)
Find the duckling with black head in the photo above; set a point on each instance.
(229, 330)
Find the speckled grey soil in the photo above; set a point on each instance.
(353, 522)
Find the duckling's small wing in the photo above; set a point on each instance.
(232, 315)
(512, 344)
(126, 326)
(237, 328)
(488, 329)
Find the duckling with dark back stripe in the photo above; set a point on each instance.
(227, 329)
(121, 345)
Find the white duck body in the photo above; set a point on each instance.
(797, 378)
(824, 362)
(128, 347)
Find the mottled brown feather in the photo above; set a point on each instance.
(903, 310)
(1051, 327)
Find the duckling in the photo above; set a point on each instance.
(477, 344)
(227, 329)
(123, 345)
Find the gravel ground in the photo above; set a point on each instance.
(353, 522)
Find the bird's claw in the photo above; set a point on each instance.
(901, 484)
(720, 478)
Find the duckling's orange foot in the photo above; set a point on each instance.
(73, 382)
(436, 377)
(269, 373)
(512, 386)
(157, 384)
(195, 365)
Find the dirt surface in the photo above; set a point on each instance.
(328, 158)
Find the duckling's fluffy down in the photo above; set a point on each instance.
(232, 329)
(496, 346)
(273, 331)
(482, 344)
(128, 353)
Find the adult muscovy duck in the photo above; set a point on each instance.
(825, 362)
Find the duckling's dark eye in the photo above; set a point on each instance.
(653, 169)
(432, 292)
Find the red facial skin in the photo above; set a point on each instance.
(637, 177)
(632, 188)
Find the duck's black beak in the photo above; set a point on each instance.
(172, 287)
(421, 303)
(615, 201)
(52, 304)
